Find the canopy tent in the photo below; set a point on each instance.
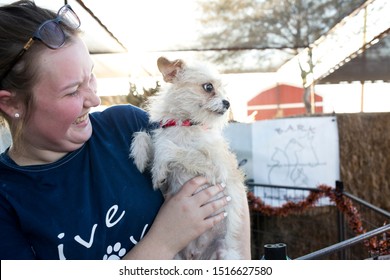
(372, 64)
(111, 28)
(97, 35)
(126, 37)
(356, 49)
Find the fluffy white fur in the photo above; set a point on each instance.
(178, 153)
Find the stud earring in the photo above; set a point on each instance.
(17, 115)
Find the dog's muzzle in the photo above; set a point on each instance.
(222, 110)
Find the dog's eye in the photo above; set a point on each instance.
(208, 87)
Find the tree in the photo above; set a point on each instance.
(260, 35)
(139, 99)
(266, 32)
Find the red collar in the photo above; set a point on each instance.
(169, 123)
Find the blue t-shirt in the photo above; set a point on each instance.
(91, 204)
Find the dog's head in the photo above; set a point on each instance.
(196, 93)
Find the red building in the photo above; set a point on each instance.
(280, 101)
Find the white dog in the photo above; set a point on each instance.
(189, 142)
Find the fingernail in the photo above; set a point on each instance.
(228, 198)
(224, 214)
(223, 185)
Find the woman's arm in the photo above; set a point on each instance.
(181, 219)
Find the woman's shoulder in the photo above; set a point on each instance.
(125, 115)
(123, 110)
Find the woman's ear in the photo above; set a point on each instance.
(8, 105)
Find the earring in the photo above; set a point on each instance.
(17, 115)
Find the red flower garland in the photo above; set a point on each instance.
(375, 247)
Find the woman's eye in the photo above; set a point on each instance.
(74, 92)
(208, 87)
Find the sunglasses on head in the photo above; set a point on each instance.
(49, 33)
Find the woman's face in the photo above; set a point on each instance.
(62, 98)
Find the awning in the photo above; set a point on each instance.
(373, 64)
(356, 49)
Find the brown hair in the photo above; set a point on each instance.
(18, 22)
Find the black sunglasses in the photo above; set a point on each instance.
(50, 33)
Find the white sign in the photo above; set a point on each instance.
(302, 152)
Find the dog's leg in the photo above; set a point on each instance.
(141, 150)
(159, 174)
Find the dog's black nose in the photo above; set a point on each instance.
(226, 104)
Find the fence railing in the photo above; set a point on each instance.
(355, 221)
(345, 244)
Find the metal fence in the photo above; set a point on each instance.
(320, 231)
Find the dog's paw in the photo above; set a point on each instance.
(141, 150)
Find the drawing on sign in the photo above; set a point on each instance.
(298, 152)
(288, 162)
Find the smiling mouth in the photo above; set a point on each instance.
(81, 119)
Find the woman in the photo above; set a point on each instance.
(68, 189)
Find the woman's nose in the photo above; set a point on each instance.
(92, 99)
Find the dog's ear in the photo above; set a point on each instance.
(169, 68)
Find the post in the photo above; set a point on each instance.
(340, 219)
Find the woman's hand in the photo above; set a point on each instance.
(181, 219)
